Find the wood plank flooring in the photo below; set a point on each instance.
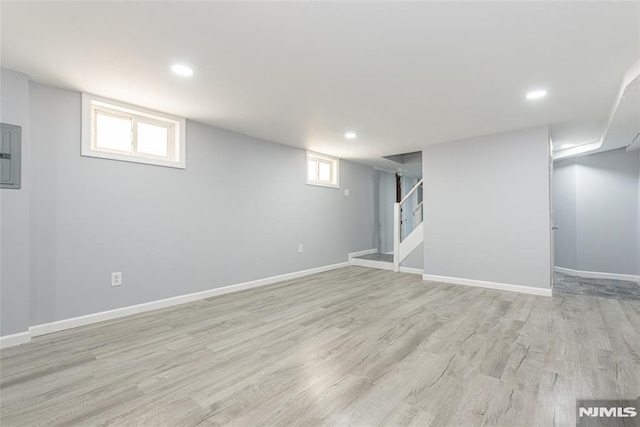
(354, 346)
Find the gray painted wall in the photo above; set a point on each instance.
(564, 214)
(14, 213)
(237, 213)
(604, 194)
(386, 199)
(487, 208)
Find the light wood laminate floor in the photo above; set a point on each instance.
(353, 346)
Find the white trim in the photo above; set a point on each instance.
(14, 339)
(177, 124)
(411, 270)
(411, 242)
(415, 187)
(598, 274)
(385, 170)
(372, 263)
(489, 285)
(360, 253)
(396, 237)
(335, 169)
(88, 319)
(378, 264)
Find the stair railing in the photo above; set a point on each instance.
(412, 238)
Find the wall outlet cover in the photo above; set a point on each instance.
(116, 279)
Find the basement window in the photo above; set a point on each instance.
(118, 131)
(322, 170)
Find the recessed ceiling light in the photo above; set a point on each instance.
(350, 135)
(537, 94)
(182, 70)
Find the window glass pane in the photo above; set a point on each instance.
(324, 171)
(311, 170)
(113, 133)
(153, 139)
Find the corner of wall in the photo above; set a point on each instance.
(15, 213)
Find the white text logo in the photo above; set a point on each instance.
(607, 412)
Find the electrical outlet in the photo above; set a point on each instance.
(346, 192)
(116, 279)
(300, 249)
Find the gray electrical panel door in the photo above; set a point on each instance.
(10, 149)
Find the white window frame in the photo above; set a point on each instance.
(176, 131)
(335, 169)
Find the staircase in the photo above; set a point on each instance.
(408, 229)
(374, 260)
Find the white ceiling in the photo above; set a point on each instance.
(401, 74)
(622, 128)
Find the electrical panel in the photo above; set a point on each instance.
(10, 156)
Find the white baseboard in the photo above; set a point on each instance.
(88, 319)
(14, 339)
(360, 253)
(489, 285)
(411, 270)
(598, 274)
(378, 264)
(372, 264)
